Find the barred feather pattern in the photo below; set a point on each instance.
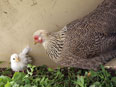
(55, 45)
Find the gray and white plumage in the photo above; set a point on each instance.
(19, 61)
(84, 43)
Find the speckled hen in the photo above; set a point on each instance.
(84, 43)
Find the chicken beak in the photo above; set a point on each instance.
(17, 60)
(35, 42)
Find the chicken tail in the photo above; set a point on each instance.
(29, 60)
(26, 50)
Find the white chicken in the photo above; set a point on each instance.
(19, 61)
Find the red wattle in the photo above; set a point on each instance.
(40, 41)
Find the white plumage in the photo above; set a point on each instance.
(20, 61)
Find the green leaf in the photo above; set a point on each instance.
(92, 86)
(18, 77)
(4, 79)
(32, 68)
(8, 84)
(27, 85)
(50, 69)
(2, 84)
(93, 74)
(96, 84)
(113, 79)
(27, 80)
(80, 82)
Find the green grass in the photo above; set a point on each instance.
(44, 76)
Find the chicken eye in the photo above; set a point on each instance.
(13, 58)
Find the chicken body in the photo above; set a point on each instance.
(87, 42)
(19, 61)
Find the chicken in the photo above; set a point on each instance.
(84, 43)
(19, 61)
